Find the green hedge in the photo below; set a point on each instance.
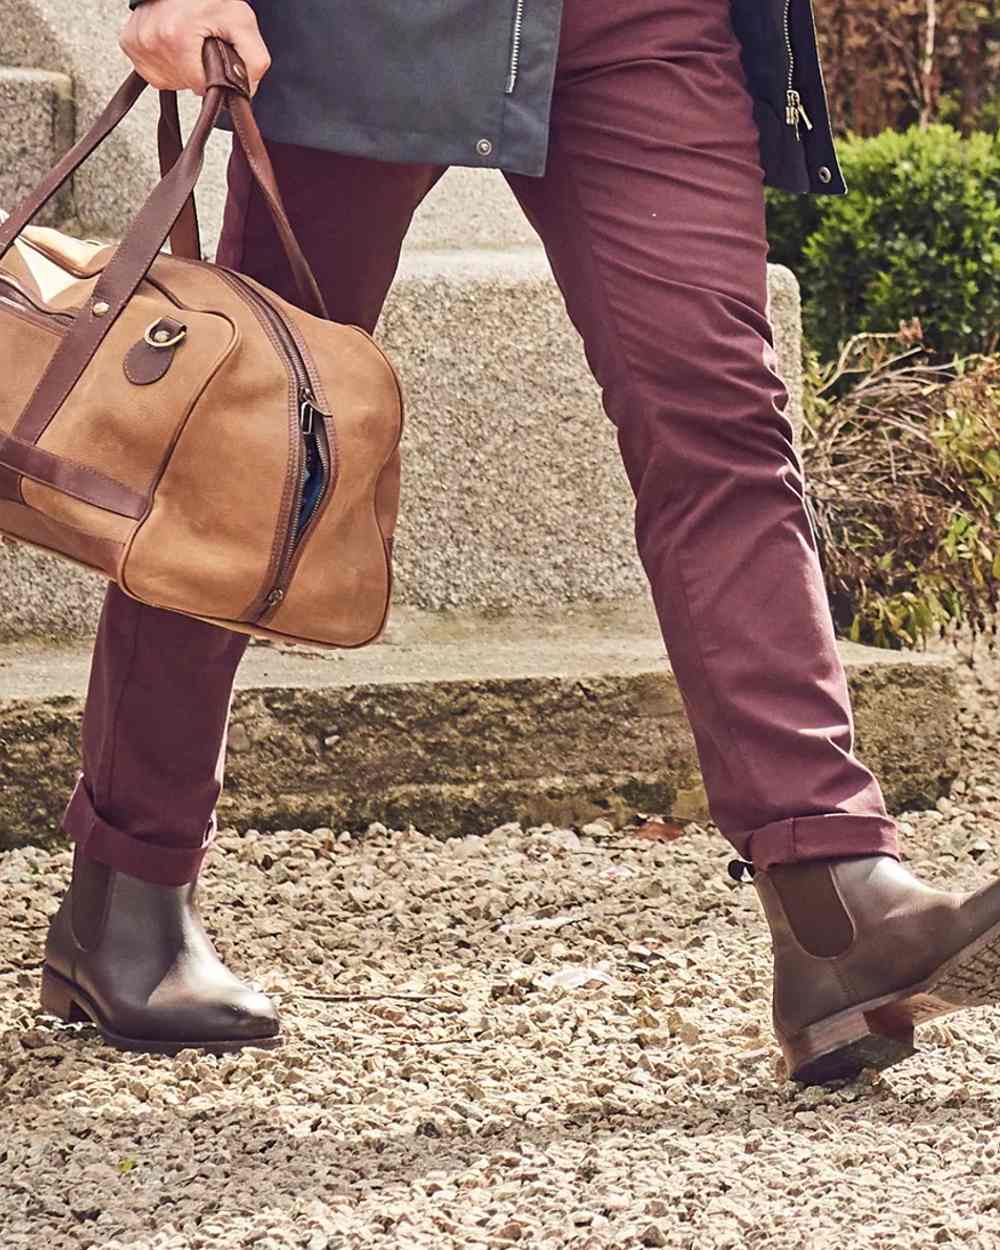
(917, 236)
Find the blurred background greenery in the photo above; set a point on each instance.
(901, 306)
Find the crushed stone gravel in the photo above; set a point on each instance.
(543, 1037)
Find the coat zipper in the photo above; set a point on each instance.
(794, 108)
(311, 434)
(515, 46)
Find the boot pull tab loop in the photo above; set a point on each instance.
(740, 870)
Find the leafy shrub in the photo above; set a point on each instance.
(917, 235)
(902, 461)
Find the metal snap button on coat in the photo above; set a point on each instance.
(484, 147)
(824, 173)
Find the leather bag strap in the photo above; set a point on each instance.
(185, 237)
(158, 218)
(118, 281)
(70, 478)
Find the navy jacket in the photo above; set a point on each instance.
(469, 82)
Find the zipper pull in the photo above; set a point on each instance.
(792, 110)
(308, 410)
(795, 111)
(307, 415)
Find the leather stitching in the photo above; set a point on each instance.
(130, 497)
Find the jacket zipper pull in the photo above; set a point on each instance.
(795, 111)
(515, 46)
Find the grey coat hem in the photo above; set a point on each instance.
(391, 80)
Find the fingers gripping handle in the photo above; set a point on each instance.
(224, 67)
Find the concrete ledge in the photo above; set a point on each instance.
(38, 127)
(513, 492)
(457, 724)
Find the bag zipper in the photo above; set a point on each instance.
(515, 46)
(311, 434)
(794, 108)
(17, 298)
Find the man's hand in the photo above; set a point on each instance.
(164, 39)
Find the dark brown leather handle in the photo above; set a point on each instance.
(145, 238)
(185, 236)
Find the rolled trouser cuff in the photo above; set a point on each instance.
(146, 859)
(833, 836)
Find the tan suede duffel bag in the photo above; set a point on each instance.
(184, 431)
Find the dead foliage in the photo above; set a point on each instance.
(903, 468)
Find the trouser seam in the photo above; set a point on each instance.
(735, 745)
(628, 370)
(106, 774)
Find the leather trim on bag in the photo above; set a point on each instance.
(83, 483)
(144, 363)
(31, 526)
(10, 485)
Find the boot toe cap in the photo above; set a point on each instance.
(251, 1016)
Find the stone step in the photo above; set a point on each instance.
(458, 723)
(38, 122)
(513, 494)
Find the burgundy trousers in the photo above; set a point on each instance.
(652, 215)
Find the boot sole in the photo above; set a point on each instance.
(66, 1001)
(880, 1033)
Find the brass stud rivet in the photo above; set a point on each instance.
(159, 335)
(101, 309)
(484, 147)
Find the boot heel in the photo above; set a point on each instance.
(843, 1046)
(58, 999)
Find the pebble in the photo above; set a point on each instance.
(540, 1038)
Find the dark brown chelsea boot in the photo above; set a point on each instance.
(134, 959)
(863, 952)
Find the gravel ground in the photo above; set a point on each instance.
(537, 1038)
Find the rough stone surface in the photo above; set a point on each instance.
(44, 597)
(37, 111)
(470, 208)
(458, 725)
(785, 313)
(539, 1038)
